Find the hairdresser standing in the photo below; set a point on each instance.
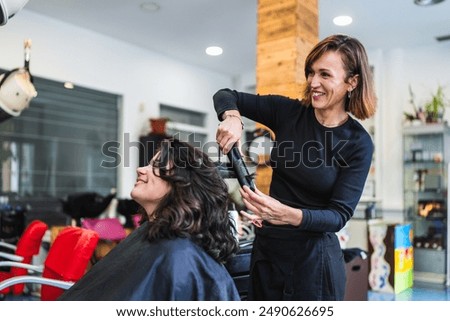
(320, 162)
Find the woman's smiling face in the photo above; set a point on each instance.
(149, 188)
(327, 80)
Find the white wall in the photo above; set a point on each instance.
(144, 79)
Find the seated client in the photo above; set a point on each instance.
(184, 238)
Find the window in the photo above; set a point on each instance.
(186, 125)
(54, 148)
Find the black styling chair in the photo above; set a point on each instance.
(239, 268)
(86, 204)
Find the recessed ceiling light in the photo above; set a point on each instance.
(150, 6)
(342, 20)
(69, 85)
(214, 51)
(426, 2)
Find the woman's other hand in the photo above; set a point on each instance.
(266, 208)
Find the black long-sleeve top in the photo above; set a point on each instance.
(318, 169)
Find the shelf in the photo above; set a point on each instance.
(441, 251)
(425, 168)
(430, 163)
(429, 277)
(425, 129)
(429, 194)
(434, 219)
(418, 218)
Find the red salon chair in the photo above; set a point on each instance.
(28, 246)
(66, 263)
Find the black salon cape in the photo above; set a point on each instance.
(167, 270)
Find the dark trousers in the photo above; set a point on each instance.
(288, 264)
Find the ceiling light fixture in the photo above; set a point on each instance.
(69, 85)
(342, 20)
(427, 2)
(150, 6)
(214, 51)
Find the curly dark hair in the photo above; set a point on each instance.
(196, 206)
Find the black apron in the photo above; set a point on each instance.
(290, 264)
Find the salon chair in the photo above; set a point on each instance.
(27, 247)
(66, 262)
(239, 268)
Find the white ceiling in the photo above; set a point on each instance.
(183, 29)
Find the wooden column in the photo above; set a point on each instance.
(287, 31)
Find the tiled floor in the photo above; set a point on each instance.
(419, 292)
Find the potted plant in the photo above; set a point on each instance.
(435, 107)
(158, 125)
(431, 112)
